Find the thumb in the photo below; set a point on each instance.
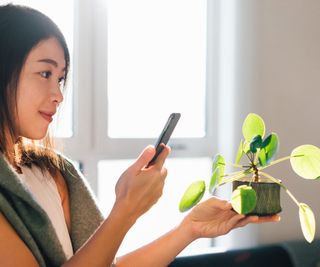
(144, 158)
(216, 202)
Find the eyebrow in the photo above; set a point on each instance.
(50, 61)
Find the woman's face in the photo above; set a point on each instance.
(39, 89)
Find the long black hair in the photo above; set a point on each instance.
(21, 29)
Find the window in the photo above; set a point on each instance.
(155, 63)
(152, 61)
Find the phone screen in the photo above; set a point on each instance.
(165, 134)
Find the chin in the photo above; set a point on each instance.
(35, 136)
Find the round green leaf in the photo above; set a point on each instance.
(218, 170)
(307, 222)
(305, 161)
(255, 143)
(266, 141)
(239, 152)
(215, 180)
(262, 157)
(246, 147)
(192, 195)
(252, 126)
(270, 147)
(219, 162)
(244, 199)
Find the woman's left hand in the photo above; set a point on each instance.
(215, 217)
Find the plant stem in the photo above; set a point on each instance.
(255, 177)
(278, 161)
(293, 198)
(232, 173)
(235, 165)
(252, 179)
(275, 162)
(255, 161)
(252, 157)
(283, 186)
(247, 154)
(236, 177)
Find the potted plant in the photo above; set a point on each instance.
(255, 191)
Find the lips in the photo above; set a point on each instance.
(47, 115)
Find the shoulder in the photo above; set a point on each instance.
(62, 175)
(68, 166)
(13, 250)
(72, 175)
(85, 215)
(78, 186)
(61, 185)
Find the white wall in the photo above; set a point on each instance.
(278, 77)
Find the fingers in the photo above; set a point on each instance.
(246, 220)
(216, 202)
(144, 158)
(256, 219)
(162, 156)
(264, 219)
(237, 220)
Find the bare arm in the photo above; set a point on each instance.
(211, 218)
(101, 248)
(136, 191)
(13, 251)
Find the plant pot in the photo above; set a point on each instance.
(268, 196)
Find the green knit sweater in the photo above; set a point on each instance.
(32, 223)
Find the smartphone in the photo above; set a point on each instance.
(165, 135)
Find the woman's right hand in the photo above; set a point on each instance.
(139, 187)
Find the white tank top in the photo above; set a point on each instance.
(44, 189)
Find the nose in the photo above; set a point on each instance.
(57, 95)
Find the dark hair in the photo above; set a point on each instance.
(21, 29)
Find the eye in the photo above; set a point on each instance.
(45, 74)
(61, 81)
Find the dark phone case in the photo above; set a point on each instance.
(165, 134)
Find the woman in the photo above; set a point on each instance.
(48, 215)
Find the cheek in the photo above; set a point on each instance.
(29, 122)
(30, 94)
(24, 113)
(28, 102)
(25, 100)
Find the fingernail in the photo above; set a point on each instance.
(278, 218)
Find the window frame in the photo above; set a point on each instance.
(116, 148)
(90, 143)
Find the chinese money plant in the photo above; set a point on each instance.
(256, 153)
